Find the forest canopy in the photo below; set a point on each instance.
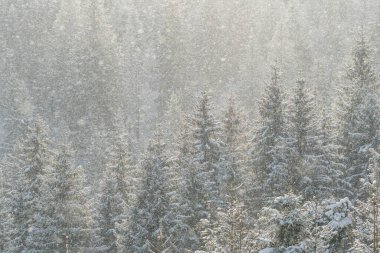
(172, 126)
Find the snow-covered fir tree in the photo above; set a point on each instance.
(235, 138)
(231, 225)
(210, 234)
(336, 226)
(229, 232)
(206, 158)
(148, 224)
(63, 225)
(19, 219)
(358, 116)
(32, 162)
(302, 119)
(122, 163)
(366, 229)
(181, 181)
(324, 172)
(300, 145)
(269, 133)
(284, 226)
(4, 207)
(117, 195)
(110, 214)
(172, 117)
(68, 209)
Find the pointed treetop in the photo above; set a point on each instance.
(361, 71)
(275, 70)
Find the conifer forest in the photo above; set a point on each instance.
(189, 126)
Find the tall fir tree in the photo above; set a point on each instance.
(207, 157)
(32, 162)
(6, 179)
(66, 218)
(235, 138)
(268, 136)
(366, 229)
(232, 225)
(182, 186)
(172, 117)
(336, 224)
(110, 214)
(149, 225)
(300, 144)
(358, 116)
(123, 164)
(119, 183)
(303, 119)
(284, 226)
(324, 178)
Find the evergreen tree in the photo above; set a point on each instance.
(67, 210)
(207, 159)
(303, 119)
(300, 144)
(336, 222)
(324, 176)
(110, 214)
(210, 234)
(4, 204)
(268, 136)
(235, 138)
(366, 230)
(231, 226)
(172, 118)
(230, 230)
(123, 164)
(359, 114)
(182, 186)
(284, 226)
(32, 161)
(20, 222)
(149, 224)
(117, 196)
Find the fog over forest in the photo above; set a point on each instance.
(178, 126)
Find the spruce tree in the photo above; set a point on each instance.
(110, 214)
(366, 229)
(67, 210)
(359, 116)
(336, 226)
(229, 231)
(300, 144)
(324, 178)
(268, 136)
(123, 164)
(210, 234)
(182, 186)
(207, 158)
(232, 219)
(32, 161)
(116, 197)
(303, 119)
(149, 225)
(172, 117)
(235, 139)
(284, 226)
(4, 207)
